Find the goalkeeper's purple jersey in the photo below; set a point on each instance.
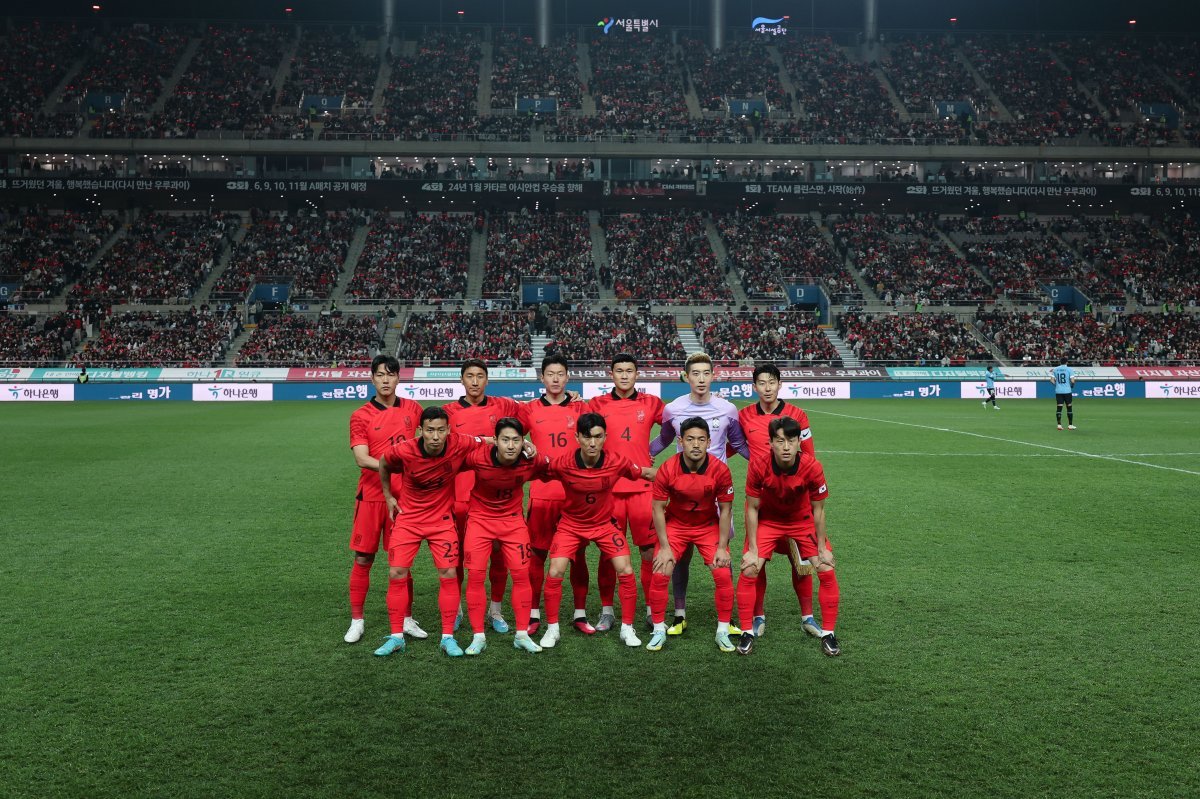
(723, 425)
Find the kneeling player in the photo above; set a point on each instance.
(588, 475)
(785, 498)
(688, 491)
(494, 519)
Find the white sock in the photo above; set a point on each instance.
(608, 609)
(522, 635)
(826, 632)
(626, 629)
(660, 627)
(535, 614)
(580, 614)
(495, 609)
(446, 635)
(552, 628)
(723, 627)
(359, 620)
(680, 613)
(805, 618)
(479, 637)
(409, 620)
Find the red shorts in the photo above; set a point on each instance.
(633, 510)
(543, 521)
(460, 518)
(405, 541)
(371, 525)
(705, 539)
(570, 541)
(509, 532)
(772, 537)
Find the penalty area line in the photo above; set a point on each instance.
(1077, 453)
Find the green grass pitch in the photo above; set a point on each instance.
(1018, 620)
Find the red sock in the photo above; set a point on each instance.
(828, 594)
(647, 576)
(658, 597)
(606, 581)
(579, 579)
(537, 576)
(520, 600)
(746, 589)
(553, 598)
(360, 582)
(399, 596)
(476, 600)
(448, 599)
(722, 594)
(498, 576)
(411, 593)
(760, 599)
(803, 586)
(627, 586)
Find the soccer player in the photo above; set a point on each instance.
(424, 512)
(631, 416)
(385, 420)
(550, 421)
(685, 490)
(755, 420)
(588, 475)
(724, 428)
(495, 521)
(990, 385)
(1063, 377)
(476, 414)
(785, 498)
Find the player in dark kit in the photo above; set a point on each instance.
(385, 420)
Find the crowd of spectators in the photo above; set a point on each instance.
(162, 258)
(1019, 267)
(637, 83)
(39, 340)
(767, 336)
(500, 337)
(911, 339)
(1121, 73)
(332, 62)
(924, 71)
(47, 251)
(435, 91)
(599, 335)
(133, 61)
(741, 70)
(520, 68)
(1127, 252)
(1048, 338)
(309, 250)
(413, 257)
(542, 246)
(312, 340)
(663, 256)
(1177, 278)
(34, 57)
(190, 338)
(906, 262)
(767, 252)
(1160, 338)
(968, 228)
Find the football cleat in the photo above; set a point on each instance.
(1060, 427)
(678, 627)
(811, 627)
(1070, 427)
(458, 620)
(584, 626)
(477, 646)
(984, 403)
(760, 626)
(355, 633)
(629, 637)
(656, 642)
(499, 624)
(724, 644)
(745, 644)
(605, 622)
(535, 624)
(734, 629)
(829, 646)
(523, 642)
(549, 639)
(411, 627)
(393, 643)
(450, 647)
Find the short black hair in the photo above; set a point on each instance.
(388, 362)
(510, 423)
(694, 423)
(555, 358)
(623, 357)
(766, 369)
(785, 424)
(433, 413)
(467, 364)
(589, 420)
(989, 367)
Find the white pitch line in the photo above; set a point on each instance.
(1006, 454)
(1007, 441)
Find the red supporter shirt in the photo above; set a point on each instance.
(551, 428)
(500, 490)
(691, 496)
(786, 497)
(379, 427)
(427, 481)
(755, 423)
(631, 423)
(589, 498)
(476, 420)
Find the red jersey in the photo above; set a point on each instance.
(755, 423)
(786, 497)
(499, 490)
(476, 420)
(427, 481)
(631, 423)
(379, 427)
(551, 428)
(691, 496)
(588, 489)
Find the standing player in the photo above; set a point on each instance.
(495, 522)
(1063, 377)
(685, 490)
(385, 420)
(724, 428)
(550, 421)
(588, 475)
(990, 386)
(755, 420)
(476, 414)
(424, 512)
(785, 498)
(631, 416)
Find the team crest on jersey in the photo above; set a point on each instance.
(570, 421)
(715, 424)
(493, 419)
(641, 417)
(408, 421)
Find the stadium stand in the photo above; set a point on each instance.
(410, 257)
(923, 71)
(48, 251)
(544, 246)
(599, 335)
(33, 340)
(332, 62)
(34, 57)
(912, 339)
(663, 256)
(419, 102)
(194, 337)
(766, 336)
(313, 340)
(742, 69)
(637, 83)
(1136, 339)
(766, 251)
(498, 337)
(522, 69)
